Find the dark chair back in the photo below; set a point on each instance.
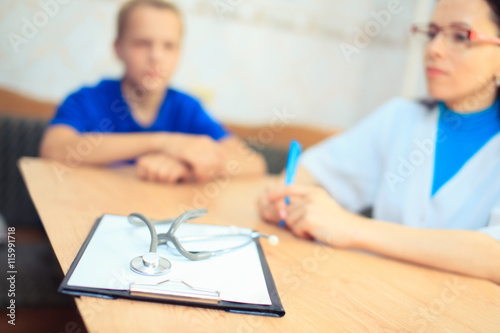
(18, 137)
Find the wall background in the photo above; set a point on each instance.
(244, 58)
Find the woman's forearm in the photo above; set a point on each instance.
(461, 251)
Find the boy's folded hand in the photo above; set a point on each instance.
(160, 167)
(204, 156)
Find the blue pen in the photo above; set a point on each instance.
(291, 169)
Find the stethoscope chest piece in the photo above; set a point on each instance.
(150, 264)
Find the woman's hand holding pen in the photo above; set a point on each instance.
(312, 213)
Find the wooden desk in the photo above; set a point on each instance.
(322, 289)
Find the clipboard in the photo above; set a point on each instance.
(181, 293)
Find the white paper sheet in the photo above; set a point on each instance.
(105, 264)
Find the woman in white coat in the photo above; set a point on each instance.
(431, 173)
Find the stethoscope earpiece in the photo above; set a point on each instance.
(273, 240)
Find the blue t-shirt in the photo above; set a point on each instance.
(103, 109)
(461, 136)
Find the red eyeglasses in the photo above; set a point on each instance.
(455, 37)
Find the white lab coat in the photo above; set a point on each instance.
(387, 161)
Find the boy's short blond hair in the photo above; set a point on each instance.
(129, 6)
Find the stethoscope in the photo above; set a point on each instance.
(152, 263)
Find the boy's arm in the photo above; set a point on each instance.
(64, 143)
(237, 160)
(204, 155)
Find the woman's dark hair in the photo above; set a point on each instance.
(495, 16)
(495, 11)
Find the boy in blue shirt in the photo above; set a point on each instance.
(140, 118)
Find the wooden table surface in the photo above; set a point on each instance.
(322, 289)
